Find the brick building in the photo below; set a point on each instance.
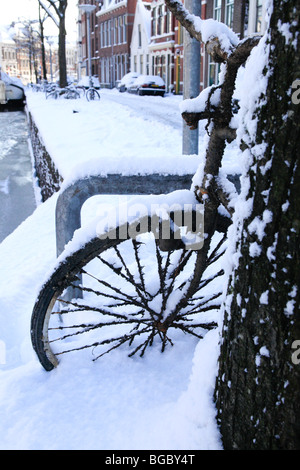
(243, 17)
(112, 47)
(111, 30)
(162, 45)
(18, 60)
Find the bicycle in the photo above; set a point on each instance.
(69, 92)
(92, 94)
(124, 283)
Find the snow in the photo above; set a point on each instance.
(149, 78)
(161, 401)
(199, 104)
(251, 85)
(113, 146)
(211, 29)
(85, 82)
(258, 224)
(264, 298)
(139, 142)
(284, 28)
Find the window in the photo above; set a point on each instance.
(104, 34)
(139, 36)
(153, 23)
(160, 21)
(124, 29)
(109, 33)
(258, 19)
(168, 22)
(229, 7)
(115, 30)
(163, 68)
(141, 63)
(120, 29)
(101, 35)
(213, 72)
(217, 9)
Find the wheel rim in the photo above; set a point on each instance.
(129, 296)
(92, 95)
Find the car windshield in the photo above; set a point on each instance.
(149, 79)
(129, 77)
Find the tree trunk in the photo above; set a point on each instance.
(59, 18)
(62, 52)
(44, 68)
(258, 383)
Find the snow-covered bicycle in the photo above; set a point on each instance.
(68, 93)
(91, 93)
(125, 283)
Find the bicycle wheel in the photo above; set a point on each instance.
(92, 94)
(132, 293)
(52, 94)
(81, 90)
(72, 95)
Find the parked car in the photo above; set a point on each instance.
(127, 80)
(11, 91)
(148, 85)
(85, 82)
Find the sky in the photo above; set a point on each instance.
(13, 9)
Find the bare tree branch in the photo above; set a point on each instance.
(219, 40)
(49, 13)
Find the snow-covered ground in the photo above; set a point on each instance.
(162, 401)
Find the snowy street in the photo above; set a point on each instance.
(15, 172)
(161, 401)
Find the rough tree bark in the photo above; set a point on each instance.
(59, 18)
(258, 384)
(42, 36)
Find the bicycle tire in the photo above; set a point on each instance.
(92, 95)
(174, 271)
(53, 94)
(48, 295)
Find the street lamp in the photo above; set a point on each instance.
(87, 9)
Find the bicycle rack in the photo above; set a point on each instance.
(71, 200)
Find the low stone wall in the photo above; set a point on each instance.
(48, 177)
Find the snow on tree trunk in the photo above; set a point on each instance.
(62, 53)
(258, 383)
(56, 10)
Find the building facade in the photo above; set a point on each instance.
(144, 36)
(111, 26)
(245, 18)
(162, 44)
(141, 34)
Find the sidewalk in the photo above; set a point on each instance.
(104, 137)
(158, 402)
